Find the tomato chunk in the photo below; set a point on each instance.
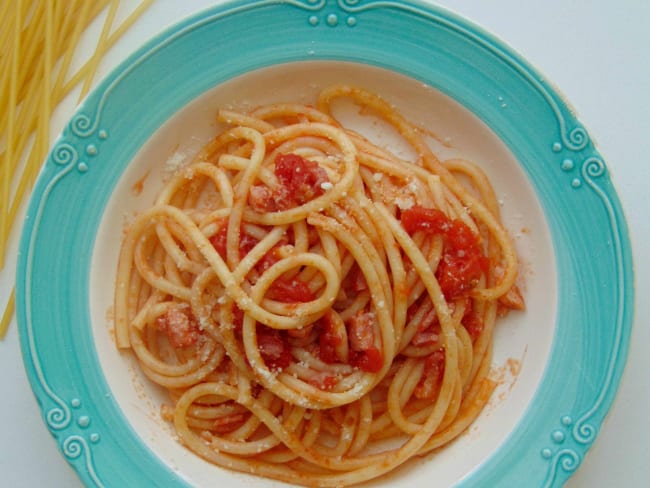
(472, 322)
(458, 275)
(261, 198)
(290, 291)
(300, 181)
(430, 220)
(371, 360)
(302, 178)
(219, 241)
(462, 262)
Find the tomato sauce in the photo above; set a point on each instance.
(290, 290)
(300, 181)
(462, 262)
(219, 241)
(370, 360)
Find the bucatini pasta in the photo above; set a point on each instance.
(319, 310)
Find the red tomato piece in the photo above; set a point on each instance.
(290, 291)
(261, 198)
(462, 263)
(371, 360)
(513, 299)
(459, 275)
(300, 181)
(430, 220)
(361, 335)
(461, 238)
(219, 241)
(302, 178)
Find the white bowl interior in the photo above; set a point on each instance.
(522, 342)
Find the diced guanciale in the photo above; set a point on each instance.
(274, 348)
(333, 340)
(364, 353)
(180, 326)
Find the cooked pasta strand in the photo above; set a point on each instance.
(351, 297)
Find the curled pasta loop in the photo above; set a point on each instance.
(319, 310)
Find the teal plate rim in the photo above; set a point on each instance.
(570, 178)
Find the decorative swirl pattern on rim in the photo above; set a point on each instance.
(64, 154)
(584, 432)
(83, 126)
(74, 447)
(574, 139)
(566, 459)
(59, 417)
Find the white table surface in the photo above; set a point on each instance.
(596, 54)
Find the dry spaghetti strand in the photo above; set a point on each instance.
(38, 41)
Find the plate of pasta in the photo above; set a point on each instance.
(358, 250)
